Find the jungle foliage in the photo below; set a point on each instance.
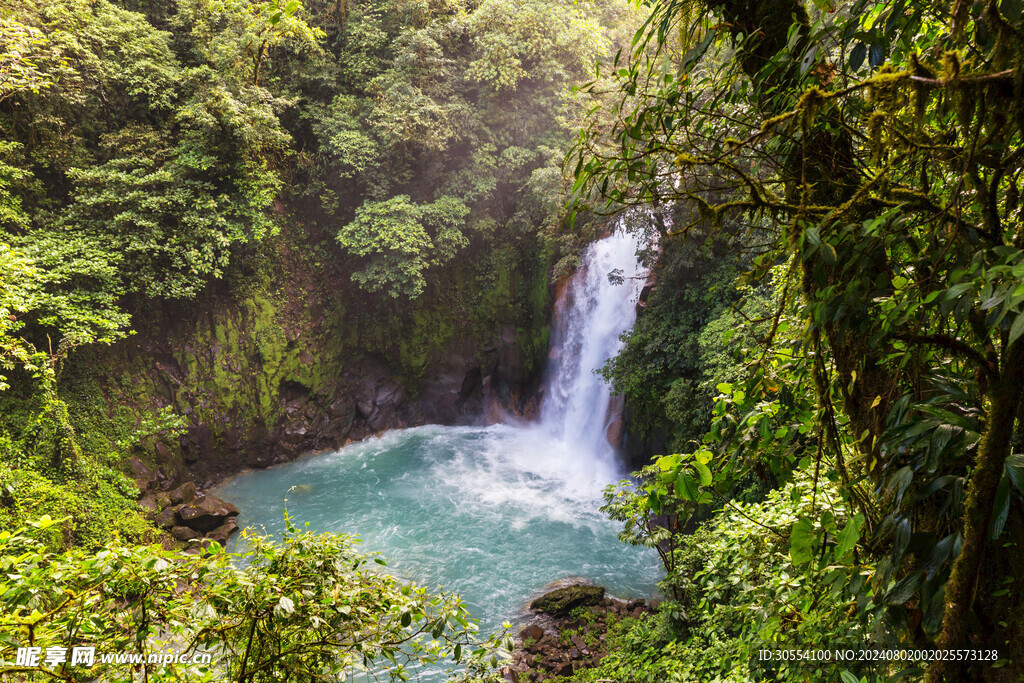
(151, 153)
(305, 607)
(873, 152)
(157, 155)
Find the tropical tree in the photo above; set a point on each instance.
(883, 143)
(399, 241)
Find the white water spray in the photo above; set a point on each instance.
(589, 319)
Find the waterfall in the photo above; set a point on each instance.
(590, 316)
(493, 512)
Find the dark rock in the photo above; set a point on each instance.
(167, 518)
(563, 669)
(142, 474)
(296, 431)
(573, 652)
(162, 479)
(185, 493)
(183, 533)
(163, 500)
(148, 503)
(532, 632)
(163, 452)
(645, 293)
(472, 385)
(289, 390)
(561, 601)
(615, 431)
(197, 441)
(222, 533)
(616, 422)
(206, 512)
(578, 642)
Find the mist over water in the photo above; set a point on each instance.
(494, 513)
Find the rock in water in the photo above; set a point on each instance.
(561, 601)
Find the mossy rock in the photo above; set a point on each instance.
(561, 601)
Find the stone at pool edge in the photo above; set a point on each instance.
(189, 514)
(561, 601)
(531, 632)
(206, 512)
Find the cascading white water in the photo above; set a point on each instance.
(589, 321)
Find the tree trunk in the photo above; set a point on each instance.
(827, 165)
(970, 588)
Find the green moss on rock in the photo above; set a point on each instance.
(561, 601)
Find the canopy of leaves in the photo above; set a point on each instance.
(881, 141)
(402, 240)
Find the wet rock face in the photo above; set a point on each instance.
(463, 385)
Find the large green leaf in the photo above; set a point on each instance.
(849, 536)
(801, 541)
(704, 472)
(1015, 470)
(1016, 329)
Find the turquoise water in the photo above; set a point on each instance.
(492, 513)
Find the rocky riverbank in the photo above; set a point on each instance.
(568, 632)
(183, 512)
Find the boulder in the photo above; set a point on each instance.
(206, 512)
(163, 452)
(185, 493)
(561, 601)
(143, 475)
(222, 533)
(183, 533)
(532, 632)
(167, 518)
